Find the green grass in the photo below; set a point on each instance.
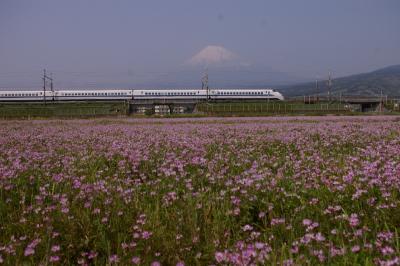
(62, 109)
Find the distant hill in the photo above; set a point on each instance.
(386, 79)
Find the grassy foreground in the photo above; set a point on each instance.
(287, 191)
(62, 109)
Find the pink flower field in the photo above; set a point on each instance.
(212, 191)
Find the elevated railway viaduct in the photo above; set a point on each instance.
(358, 102)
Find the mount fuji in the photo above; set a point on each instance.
(225, 69)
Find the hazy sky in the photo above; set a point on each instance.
(98, 40)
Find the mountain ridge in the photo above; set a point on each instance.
(385, 80)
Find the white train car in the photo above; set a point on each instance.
(178, 94)
(17, 95)
(87, 95)
(245, 94)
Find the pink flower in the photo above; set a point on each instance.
(54, 258)
(113, 258)
(247, 227)
(29, 251)
(155, 263)
(55, 248)
(136, 260)
(355, 249)
(353, 220)
(319, 237)
(307, 222)
(219, 257)
(387, 250)
(146, 235)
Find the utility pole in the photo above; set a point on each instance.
(46, 78)
(44, 86)
(317, 89)
(51, 85)
(329, 86)
(204, 84)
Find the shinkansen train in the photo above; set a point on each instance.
(140, 94)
